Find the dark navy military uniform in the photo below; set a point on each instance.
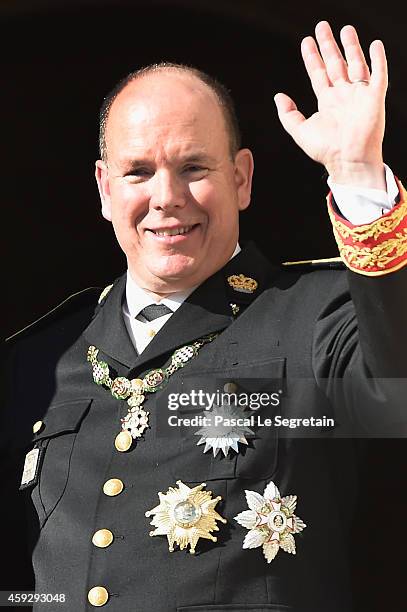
(298, 333)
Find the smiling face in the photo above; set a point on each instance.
(169, 185)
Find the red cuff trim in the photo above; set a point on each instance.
(376, 248)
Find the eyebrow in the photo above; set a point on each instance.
(194, 157)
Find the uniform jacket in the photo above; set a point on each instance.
(325, 339)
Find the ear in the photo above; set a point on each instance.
(102, 179)
(244, 166)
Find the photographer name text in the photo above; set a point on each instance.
(254, 420)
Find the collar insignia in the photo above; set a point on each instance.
(184, 515)
(271, 521)
(235, 309)
(242, 283)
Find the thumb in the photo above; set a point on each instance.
(289, 115)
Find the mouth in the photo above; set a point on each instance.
(173, 234)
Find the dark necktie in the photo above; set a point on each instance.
(153, 311)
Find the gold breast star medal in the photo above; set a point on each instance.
(184, 515)
(271, 521)
(225, 427)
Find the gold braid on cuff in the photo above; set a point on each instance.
(376, 248)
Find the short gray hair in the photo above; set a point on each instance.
(221, 93)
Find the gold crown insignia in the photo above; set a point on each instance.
(242, 283)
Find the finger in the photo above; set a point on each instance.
(314, 65)
(335, 64)
(289, 115)
(379, 78)
(358, 70)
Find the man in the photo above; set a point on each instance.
(98, 377)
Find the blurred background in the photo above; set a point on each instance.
(58, 61)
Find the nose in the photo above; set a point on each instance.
(167, 191)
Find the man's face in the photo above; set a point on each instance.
(169, 186)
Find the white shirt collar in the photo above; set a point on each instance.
(137, 298)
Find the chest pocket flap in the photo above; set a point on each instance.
(63, 418)
(257, 459)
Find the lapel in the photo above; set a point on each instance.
(207, 310)
(108, 331)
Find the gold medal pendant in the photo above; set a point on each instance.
(134, 391)
(135, 421)
(133, 426)
(184, 515)
(123, 441)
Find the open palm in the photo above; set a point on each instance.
(348, 128)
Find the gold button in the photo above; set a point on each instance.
(98, 596)
(102, 538)
(151, 333)
(113, 487)
(38, 426)
(230, 387)
(123, 441)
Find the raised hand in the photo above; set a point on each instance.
(346, 133)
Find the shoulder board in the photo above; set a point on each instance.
(332, 263)
(77, 300)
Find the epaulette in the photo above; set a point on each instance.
(81, 299)
(332, 263)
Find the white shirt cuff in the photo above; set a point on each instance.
(361, 205)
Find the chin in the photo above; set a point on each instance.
(176, 266)
(180, 267)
